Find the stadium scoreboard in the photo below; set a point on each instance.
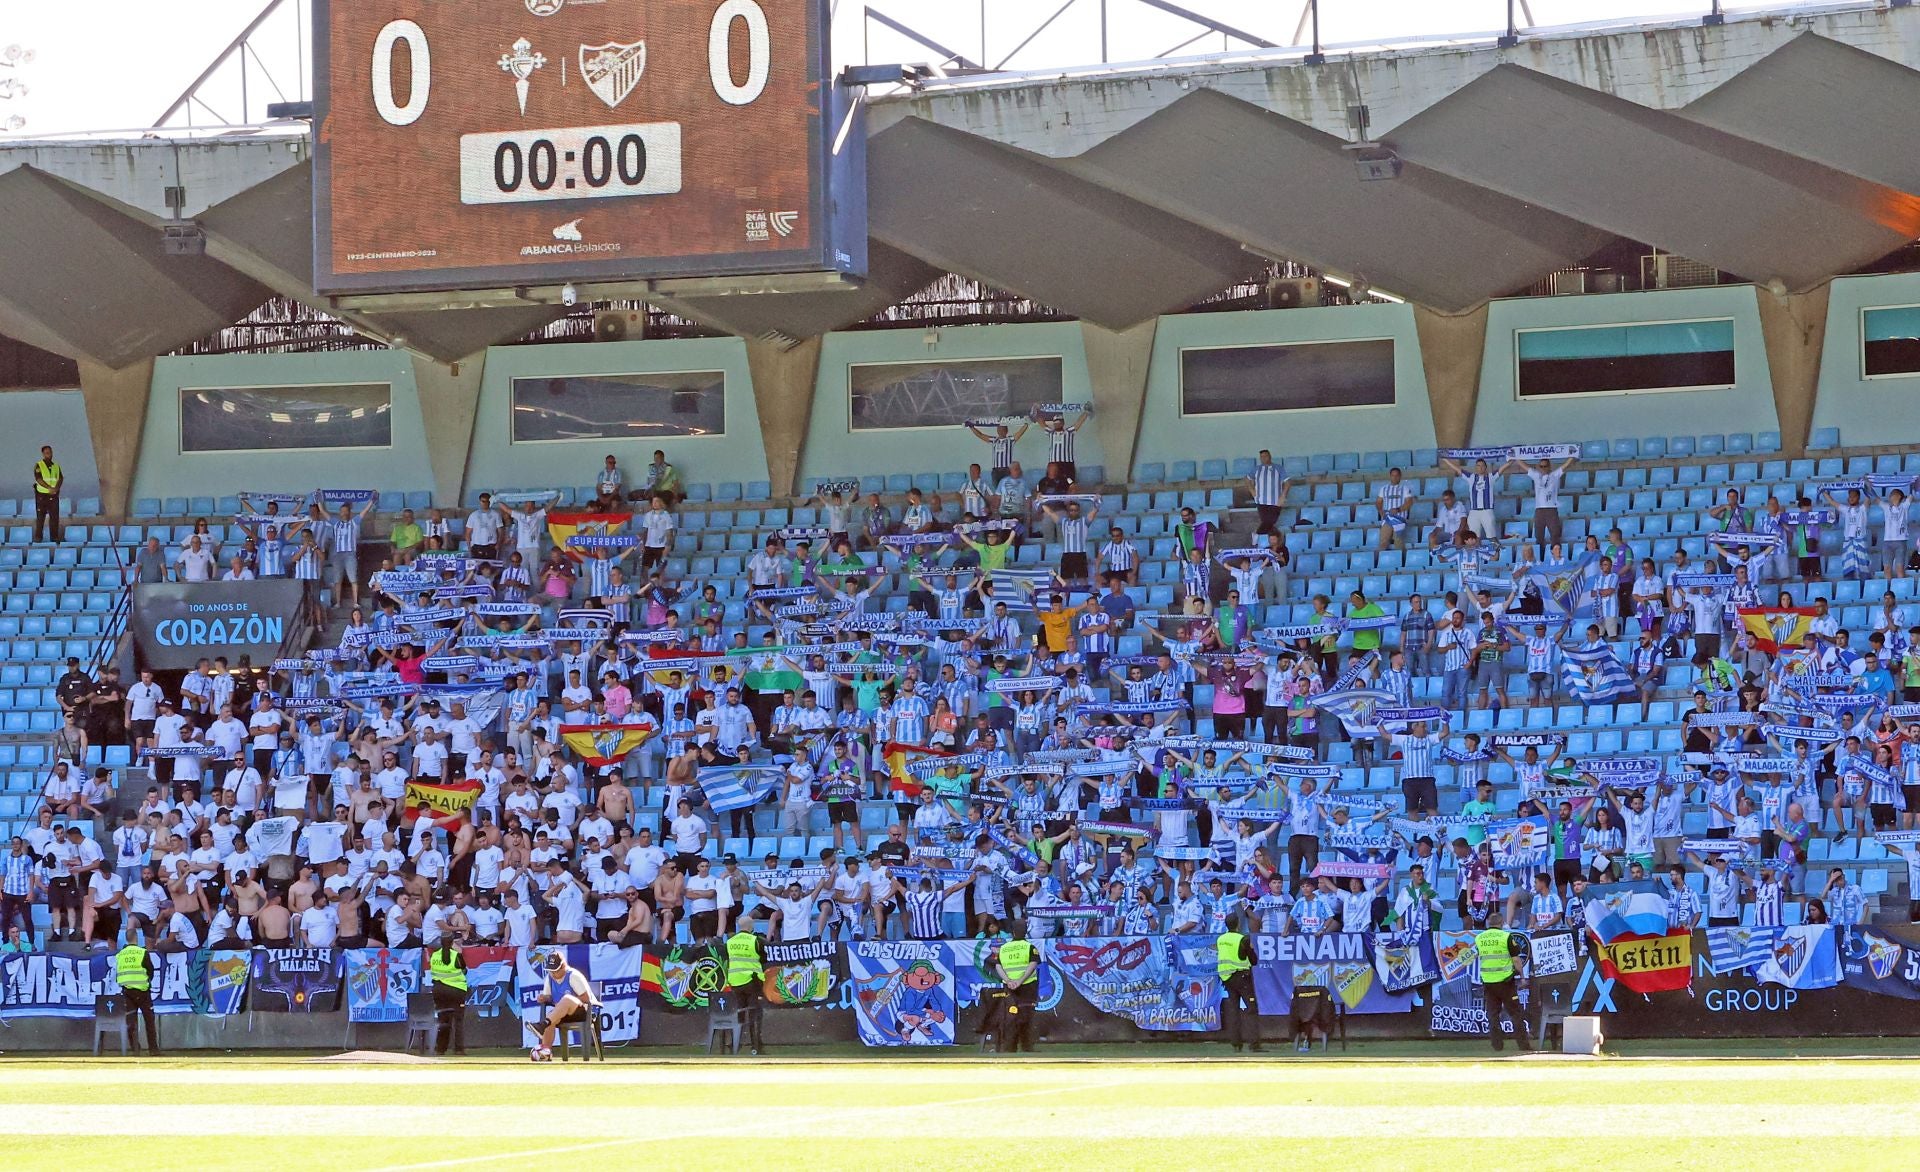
(479, 144)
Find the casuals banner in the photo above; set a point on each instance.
(903, 992)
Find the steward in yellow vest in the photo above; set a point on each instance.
(447, 972)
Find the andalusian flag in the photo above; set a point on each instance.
(446, 802)
(601, 745)
(1775, 627)
(563, 526)
(899, 757)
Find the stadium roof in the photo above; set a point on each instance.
(1771, 147)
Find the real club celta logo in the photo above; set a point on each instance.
(545, 7)
(571, 231)
(784, 222)
(613, 69)
(520, 64)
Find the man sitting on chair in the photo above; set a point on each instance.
(571, 995)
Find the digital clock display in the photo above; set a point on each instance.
(508, 143)
(591, 162)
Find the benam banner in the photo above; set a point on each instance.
(1340, 962)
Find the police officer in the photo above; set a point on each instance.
(133, 967)
(1018, 965)
(746, 970)
(448, 970)
(1499, 951)
(1233, 961)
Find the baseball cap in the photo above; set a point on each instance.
(729, 858)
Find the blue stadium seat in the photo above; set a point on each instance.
(1243, 466)
(1155, 473)
(200, 506)
(1712, 445)
(1346, 462)
(146, 507)
(1093, 474)
(728, 491)
(1739, 442)
(700, 493)
(759, 490)
(1213, 470)
(1594, 450)
(1182, 471)
(899, 482)
(1626, 449)
(1653, 447)
(1767, 441)
(419, 500)
(1824, 439)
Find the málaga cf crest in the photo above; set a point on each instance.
(613, 69)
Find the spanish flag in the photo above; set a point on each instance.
(446, 802)
(1773, 628)
(565, 525)
(1646, 963)
(899, 756)
(601, 745)
(650, 972)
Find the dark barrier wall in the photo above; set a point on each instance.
(1733, 1005)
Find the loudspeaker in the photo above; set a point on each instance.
(1293, 292)
(617, 325)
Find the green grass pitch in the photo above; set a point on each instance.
(1129, 1109)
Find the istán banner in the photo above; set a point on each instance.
(177, 624)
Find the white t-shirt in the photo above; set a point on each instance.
(143, 700)
(320, 926)
(659, 527)
(1546, 488)
(687, 833)
(266, 726)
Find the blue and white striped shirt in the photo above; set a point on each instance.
(1480, 491)
(599, 571)
(19, 876)
(272, 561)
(910, 719)
(345, 534)
(1002, 447)
(1416, 753)
(1060, 444)
(1266, 484)
(1073, 534)
(306, 563)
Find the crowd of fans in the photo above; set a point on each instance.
(1088, 791)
